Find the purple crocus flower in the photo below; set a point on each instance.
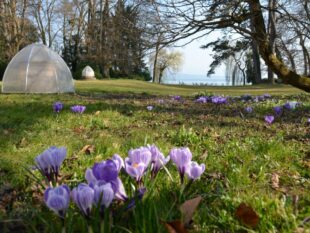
(83, 197)
(89, 176)
(260, 98)
(161, 101)
(278, 110)
(78, 109)
(308, 120)
(194, 170)
(249, 109)
(58, 106)
(158, 159)
(218, 100)
(105, 170)
(150, 107)
(119, 190)
(103, 195)
(182, 158)
(137, 162)
(266, 96)
(269, 119)
(58, 199)
(177, 98)
(246, 97)
(50, 160)
(202, 99)
(119, 162)
(291, 105)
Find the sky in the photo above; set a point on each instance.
(196, 60)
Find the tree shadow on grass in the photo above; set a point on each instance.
(18, 117)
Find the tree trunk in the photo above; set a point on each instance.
(306, 55)
(160, 75)
(106, 70)
(155, 61)
(256, 59)
(288, 76)
(272, 33)
(289, 55)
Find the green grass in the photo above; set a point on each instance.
(240, 151)
(135, 86)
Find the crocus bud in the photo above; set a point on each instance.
(58, 199)
(83, 197)
(104, 195)
(181, 157)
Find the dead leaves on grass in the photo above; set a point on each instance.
(175, 227)
(88, 149)
(187, 209)
(275, 180)
(247, 215)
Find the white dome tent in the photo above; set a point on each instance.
(88, 73)
(37, 69)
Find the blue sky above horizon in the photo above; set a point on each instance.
(196, 61)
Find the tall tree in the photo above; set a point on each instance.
(46, 14)
(200, 17)
(15, 28)
(272, 34)
(166, 62)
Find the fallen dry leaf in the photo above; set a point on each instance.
(175, 227)
(6, 132)
(215, 175)
(275, 181)
(88, 149)
(79, 130)
(188, 209)
(247, 215)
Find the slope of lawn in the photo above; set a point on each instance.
(265, 166)
(135, 86)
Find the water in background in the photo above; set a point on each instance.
(195, 79)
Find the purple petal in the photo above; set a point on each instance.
(58, 199)
(104, 194)
(140, 155)
(105, 170)
(194, 170)
(89, 176)
(83, 196)
(117, 159)
(46, 194)
(119, 190)
(269, 119)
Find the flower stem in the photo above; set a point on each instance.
(102, 225)
(63, 229)
(107, 220)
(90, 229)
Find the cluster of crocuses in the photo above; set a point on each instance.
(259, 98)
(279, 110)
(212, 99)
(58, 106)
(176, 98)
(224, 100)
(103, 182)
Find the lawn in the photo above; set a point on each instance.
(266, 166)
